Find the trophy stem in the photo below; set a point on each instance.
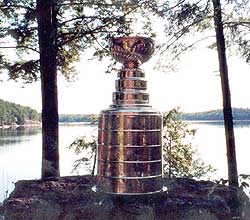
(131, 64)
(131, 88)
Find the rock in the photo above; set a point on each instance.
(72, 198)
(1, 210)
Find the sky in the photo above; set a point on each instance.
(194, 86)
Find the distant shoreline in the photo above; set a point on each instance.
(216, 115)
(33, 124)
(37, 126)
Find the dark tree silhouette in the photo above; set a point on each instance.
(47, 33)
(227, 108)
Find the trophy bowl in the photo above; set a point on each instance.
(132, 49)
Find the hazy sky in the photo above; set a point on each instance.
(194, 87)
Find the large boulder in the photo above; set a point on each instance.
(73, 198)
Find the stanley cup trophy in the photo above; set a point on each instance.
(129, 132)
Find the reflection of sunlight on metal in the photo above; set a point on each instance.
(129, 135)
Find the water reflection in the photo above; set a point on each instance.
(220, 123)
(242, 123)
(211, 142)
(13, 136)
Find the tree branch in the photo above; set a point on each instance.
(169, 8)
(77, 18)
(81, 34)
(15, 47)
(191, 45)
(237, 23)
(85, 4)
(176, 36)
(99, 4)
(89, 31)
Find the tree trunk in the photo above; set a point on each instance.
(47, 30)
(227, 108)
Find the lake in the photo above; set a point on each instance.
(20, 150)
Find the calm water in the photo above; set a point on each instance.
(210, 140)
(20, 150)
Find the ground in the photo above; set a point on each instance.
(72, 198)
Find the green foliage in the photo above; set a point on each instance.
(66, 118)
(182, 29)
(84, 24)
(81, 24)
(189, 23)
(18, 35)
(86, 149)
(238, 114)
(244, 180)
(11, 113)
(179, 156)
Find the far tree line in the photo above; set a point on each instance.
(15, 114)
(238, 114)
(11, 113)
